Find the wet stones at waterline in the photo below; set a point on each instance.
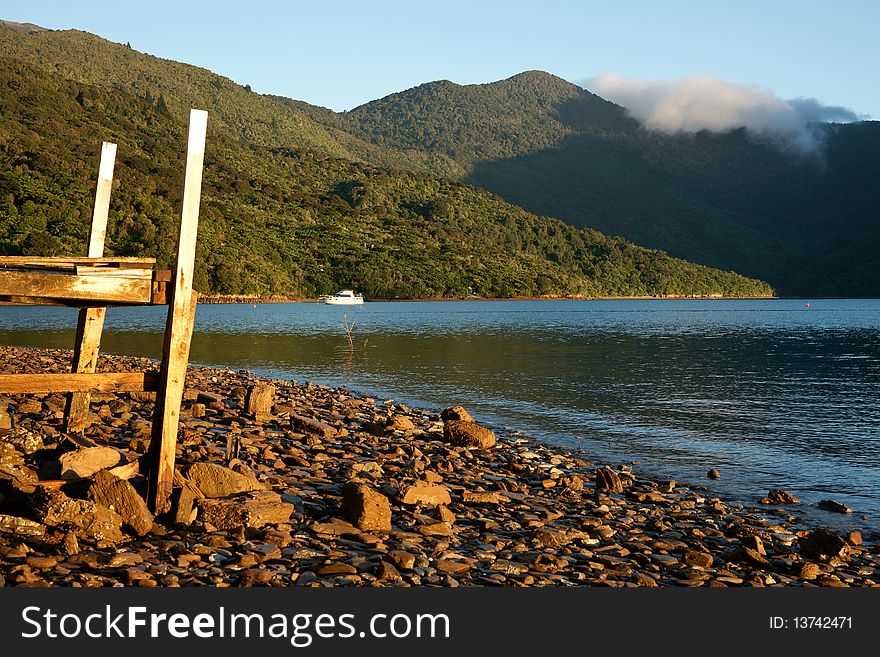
(336, 489)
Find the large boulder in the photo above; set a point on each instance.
(120, 496)
(365, 508)
(462, 433)
(215, 481)
(455, 413)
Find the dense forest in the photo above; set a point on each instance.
(805, 221)
(287, 208)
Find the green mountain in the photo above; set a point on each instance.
(807, 223)
(289, 206)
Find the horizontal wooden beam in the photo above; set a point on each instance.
(91, 288)
(22, 384)
(38, 261)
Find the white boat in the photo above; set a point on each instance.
(343, 298)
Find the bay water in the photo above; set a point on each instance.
(773, 393)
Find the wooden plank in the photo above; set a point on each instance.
(102, 200)
(21, 384)
(47, 261)
(166, 414)
(178, 328)
(114, 272)
(90, 324)
(66, 286)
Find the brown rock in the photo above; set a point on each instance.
(83, 463)
(779, 496)
(550, 538)
(608, 479)
(365, 508)
(645, 581)
(311, 427)
(21, 526)
(854, 538)
(835, 507)
(91, 521)
(402, 559)
(747, 557)
(456, 413)
(445, 515)
(823, 543)
(26, 442)
(451, 566)
(808, 570)
(482, 497)
(5, 420)
(251, 509)
(13, 465)
(399, 423)
(215, 481)
(713, 474)
(259, 401)
(197, 410)
(467, 434)
(426, 495)
(755, 543)
(387, 573)
(120, 496)
(697, 558)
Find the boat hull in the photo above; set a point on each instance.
(344, 302)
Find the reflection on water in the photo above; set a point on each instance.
(771, 393)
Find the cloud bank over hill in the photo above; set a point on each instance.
(703, 102)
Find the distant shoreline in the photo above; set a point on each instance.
(241, 298)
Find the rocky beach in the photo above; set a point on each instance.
(280, 483)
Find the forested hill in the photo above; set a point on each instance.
(805, 222)
(294, 219)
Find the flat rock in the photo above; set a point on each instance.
(251, 509)
(425, 494)
(120, 496)
(215, 481)
(83, 463)
(21, 526)
(311, 427)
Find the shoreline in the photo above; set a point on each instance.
(518, 513)
(245, 299)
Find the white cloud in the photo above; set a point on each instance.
(702, 102)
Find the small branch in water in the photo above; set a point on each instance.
(348, 329)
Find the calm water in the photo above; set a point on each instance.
(770, 392)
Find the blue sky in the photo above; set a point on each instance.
(340, 53)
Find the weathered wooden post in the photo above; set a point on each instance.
(91, 320)
(179, 325)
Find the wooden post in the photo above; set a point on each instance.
(178, 327)
(91, 320)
